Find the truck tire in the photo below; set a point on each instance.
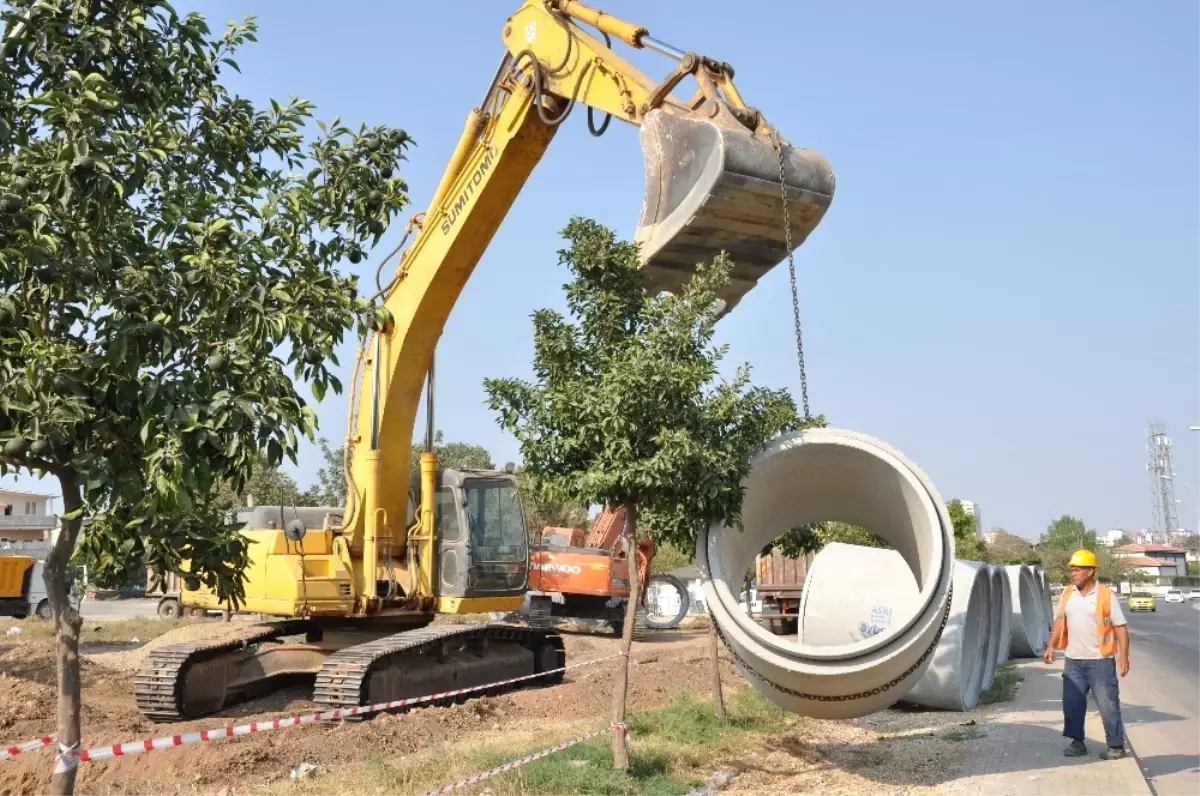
(684, 603)
(169, 608)
(43, 610)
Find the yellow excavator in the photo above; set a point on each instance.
(351, 591)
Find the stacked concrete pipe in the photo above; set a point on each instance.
(1002, 604)
(955, 674)
(872, 653)
(1049, 601)
(1028, 629)
(1043, 602)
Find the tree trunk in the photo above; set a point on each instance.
(718, 694)
(66, 634)
(620, 751)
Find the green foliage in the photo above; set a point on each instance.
(330, 488)
(167, 266)
(809, 539)
(669, 557)
(1008, 549)
(1068, 533)
(623, 408)
(453, 455)
(1193, 568)
(967, 544)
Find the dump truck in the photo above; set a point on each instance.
(780, 583)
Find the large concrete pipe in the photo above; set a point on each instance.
(1002, 602)
(870, 658)
(1049, 602)
(1027, 627)
(1043, 603)
(954, 677)
(995, 628)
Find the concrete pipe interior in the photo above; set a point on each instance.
(1002, 603)
(818, 475)
(1027, 640)
(954, 676)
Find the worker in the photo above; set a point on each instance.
(1090, 626)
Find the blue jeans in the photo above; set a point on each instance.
(1100, 678)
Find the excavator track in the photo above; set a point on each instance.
(439, 659)
(158, 687)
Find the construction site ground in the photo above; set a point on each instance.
(676, 743)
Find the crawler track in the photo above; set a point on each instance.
(158, 687)
(437, 659)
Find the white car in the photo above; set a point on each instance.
(1174, 596)
(1194, 594)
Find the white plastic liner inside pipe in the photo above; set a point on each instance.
(818, 475)
(1002, 605)
(1028, 626)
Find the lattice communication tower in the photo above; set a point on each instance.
(1162, 480)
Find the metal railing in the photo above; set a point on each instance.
(28, 521)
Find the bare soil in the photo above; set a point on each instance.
(890, 752)
(263, 761)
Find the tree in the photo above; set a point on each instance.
(967, 544)
(453, 455)
(623, 410)
(167, 254)
(1008, 549)
(1068, 533)
(809, 539)
(669, 557)
(330, 488)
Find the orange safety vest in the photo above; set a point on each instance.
(1104, 626)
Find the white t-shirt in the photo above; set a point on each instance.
(1083, 642)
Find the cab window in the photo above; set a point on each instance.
(445, 515)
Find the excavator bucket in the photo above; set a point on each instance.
(712, 188)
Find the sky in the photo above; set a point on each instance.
(1006, 284)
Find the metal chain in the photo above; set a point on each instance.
(840, 697)
(787, 233)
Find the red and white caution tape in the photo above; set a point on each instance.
(462, 783)
(68, 759)
(37, 743)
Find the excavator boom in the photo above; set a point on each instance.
(358, 584)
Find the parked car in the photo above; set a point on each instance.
(1142, 601)
(1174, 596)
(1194, 594)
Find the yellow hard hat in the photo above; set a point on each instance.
(1082, 558)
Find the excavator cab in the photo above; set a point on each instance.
(480, 532)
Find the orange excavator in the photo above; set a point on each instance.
(586, 576)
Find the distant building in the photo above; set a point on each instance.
(1112, 537)
(26, 516)
(1157, 560)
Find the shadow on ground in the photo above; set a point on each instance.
(881, 759)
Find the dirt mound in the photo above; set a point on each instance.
(129, 661)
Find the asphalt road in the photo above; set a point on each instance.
(1160, 697)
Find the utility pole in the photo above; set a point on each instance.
(1162, 484)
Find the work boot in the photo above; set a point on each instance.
(1113, 753)
(1076, 749)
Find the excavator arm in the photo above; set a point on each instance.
(716, 170)
(357, 597)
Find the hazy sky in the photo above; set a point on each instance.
(1005, 286)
